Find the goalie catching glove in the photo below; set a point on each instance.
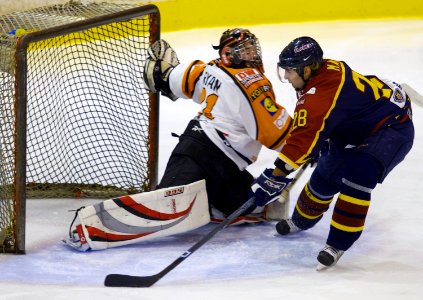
(160, 62)
(267, 187)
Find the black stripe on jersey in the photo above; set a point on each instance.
(226, 142)
(283, 135)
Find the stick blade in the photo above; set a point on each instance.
(120, 280)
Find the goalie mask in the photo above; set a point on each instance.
(239, 48)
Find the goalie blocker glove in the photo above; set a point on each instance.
(160, 62)
(268, 188)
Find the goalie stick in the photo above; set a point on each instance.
(413, 94)
(121, 280)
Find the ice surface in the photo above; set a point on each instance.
(252, 262)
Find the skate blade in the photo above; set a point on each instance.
(75, 245)
(321, 267)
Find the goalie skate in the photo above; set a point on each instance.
(77, 240)
(218, 217)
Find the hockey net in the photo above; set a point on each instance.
(75, 117)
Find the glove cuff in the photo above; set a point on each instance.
(283, 166)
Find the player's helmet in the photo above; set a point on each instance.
(238, 47)
(301, 52)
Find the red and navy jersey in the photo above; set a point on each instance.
(344, 106)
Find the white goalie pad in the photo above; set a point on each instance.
(278, 210)
(133, 218)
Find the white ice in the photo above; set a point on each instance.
(253, 262)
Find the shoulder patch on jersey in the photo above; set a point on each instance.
(269, 105)
(398, 96)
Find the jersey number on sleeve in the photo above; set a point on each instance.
(210, 103)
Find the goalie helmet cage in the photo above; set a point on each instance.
(75, 117)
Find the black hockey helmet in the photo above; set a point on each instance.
(239, 47)
(301, 52)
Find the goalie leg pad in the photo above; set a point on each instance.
(130, 219)
(277, 210)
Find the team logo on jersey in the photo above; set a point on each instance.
(269, 105)
(398, 96)
(248, 77)
(173, 192)
(258, 91)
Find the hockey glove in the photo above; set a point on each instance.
(267, 188)
(160, 62)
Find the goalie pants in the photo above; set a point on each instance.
(353, 173)
(195, 157)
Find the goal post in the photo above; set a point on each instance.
(76, 118)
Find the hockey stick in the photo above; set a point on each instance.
(413, 94)
(120, 280)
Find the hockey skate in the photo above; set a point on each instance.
(77, 240)
(285, 227)
(274, 211)
(328, 257)
(216, 216)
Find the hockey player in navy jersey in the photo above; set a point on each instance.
(367, 124)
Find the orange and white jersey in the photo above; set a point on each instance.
(238, 108)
